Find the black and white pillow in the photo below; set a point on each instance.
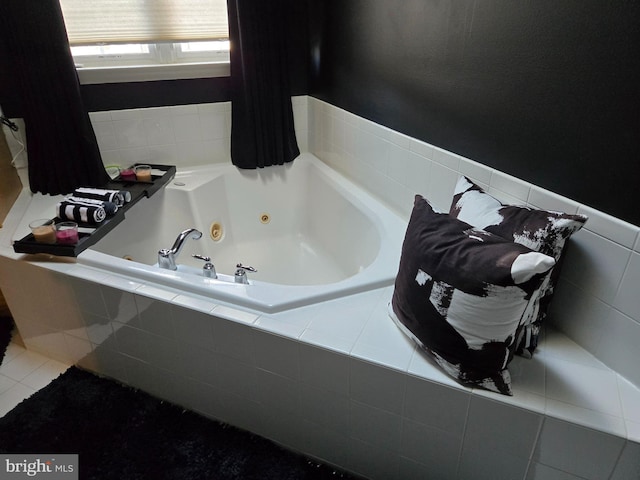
(541, 230)
(461, 294)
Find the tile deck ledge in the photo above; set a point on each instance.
(562, 380)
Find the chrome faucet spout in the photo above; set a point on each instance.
(179, 243)
(167, 256)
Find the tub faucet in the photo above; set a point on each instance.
(208, 269)
(167, 256)
(241, 273)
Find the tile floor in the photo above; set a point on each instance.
(23, 373)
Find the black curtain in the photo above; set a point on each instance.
(62, 148)
(262, 129)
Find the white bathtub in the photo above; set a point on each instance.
(311, 234)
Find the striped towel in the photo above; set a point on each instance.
(119, 197)
(110, 208)
(87, 214)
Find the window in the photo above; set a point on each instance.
(138, 40)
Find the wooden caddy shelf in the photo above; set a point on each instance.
(137, 189)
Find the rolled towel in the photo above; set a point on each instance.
(110, 208)
(90, 215)
(119, 197)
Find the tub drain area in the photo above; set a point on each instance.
(265, 218)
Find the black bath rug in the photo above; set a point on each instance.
(6, 327)
(121, 433)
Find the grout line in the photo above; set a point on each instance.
(8, 398)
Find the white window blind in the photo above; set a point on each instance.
(139, 21)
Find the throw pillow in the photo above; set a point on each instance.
(461, 294)
(541, 230)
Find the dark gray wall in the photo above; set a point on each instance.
(547, 91)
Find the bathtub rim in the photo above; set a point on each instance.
(287, 297)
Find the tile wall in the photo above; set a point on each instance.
(183, 135)
(291, 377)
(597, 302)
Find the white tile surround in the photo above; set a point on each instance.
(179, 135)
(338, 380)
(599, 305)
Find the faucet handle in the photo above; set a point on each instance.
(241, 273)
(247, 268)
(208, 269)
(166, 259)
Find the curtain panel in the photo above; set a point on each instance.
(62, 148)
(262, 128)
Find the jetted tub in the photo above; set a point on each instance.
(311, 234)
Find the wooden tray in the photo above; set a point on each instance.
(137, 189)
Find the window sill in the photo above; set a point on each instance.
(150, 73)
